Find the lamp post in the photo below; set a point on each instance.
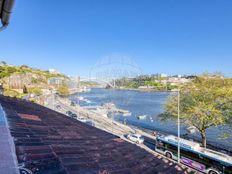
(78, 95)
(178, 124)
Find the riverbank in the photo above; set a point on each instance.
(150, 104)
(142, 90)
(101, 122)
(118, 128)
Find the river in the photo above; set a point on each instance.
(150, 104)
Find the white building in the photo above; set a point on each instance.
(53, 71)
(163, 75)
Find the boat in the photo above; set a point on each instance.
(88, 101)
(191, 129)
(103, 112)
(85, 89)
(127, 113)
(142, 117)
(109, 106)
(85, 100)
(80, 98)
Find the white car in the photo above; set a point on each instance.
(135, 138)
(82, 119)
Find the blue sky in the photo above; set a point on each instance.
(166, 36)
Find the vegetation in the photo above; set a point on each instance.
(204, 103)
(37, 78)
(63, 90)
(6, 71)
(153, 81)
(35, 90)
(89, 83)
(11, 93)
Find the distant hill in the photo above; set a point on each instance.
(7, 70)
(18, 81)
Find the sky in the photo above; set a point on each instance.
(161, 36)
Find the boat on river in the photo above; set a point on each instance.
(142, 117)
(127, 113)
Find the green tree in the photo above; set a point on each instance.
(63, 90)
(3, 62)
(35, 90)
(11, 93)
(205, 102)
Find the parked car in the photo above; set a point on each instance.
(73, 115)
(82, 119)
(69, 113)
(58, 106)
(135, 138)
(91, 123)
(72, 104)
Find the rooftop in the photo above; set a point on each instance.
(47, 142)
(198, 149)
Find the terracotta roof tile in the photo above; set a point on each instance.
(29, 117)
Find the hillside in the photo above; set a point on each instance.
(21, 81)
(150, 82)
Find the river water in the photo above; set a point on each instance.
(146, 103)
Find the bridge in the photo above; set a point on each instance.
(98, 80)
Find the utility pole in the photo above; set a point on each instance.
(78, 95)
(178, 123)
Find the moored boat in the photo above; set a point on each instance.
(142, 117)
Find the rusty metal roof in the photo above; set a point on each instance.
(48, 142)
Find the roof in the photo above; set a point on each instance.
(185, 143)
(190, 145)
(137, 135)
(48, 142)
(220, 156)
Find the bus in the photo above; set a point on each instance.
(193, 155)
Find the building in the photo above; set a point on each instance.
(163, 75)
(145, 87)
(53, 71)
(177, 80)
(56, 81)
(18, 81)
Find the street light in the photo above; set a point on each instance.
(5, 12)
(178, 124)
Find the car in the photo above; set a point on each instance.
(135, 138)
(72, 104)
(58, 106)
(91, 123)
(73, 115)
(69, 113)
(82, 119)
